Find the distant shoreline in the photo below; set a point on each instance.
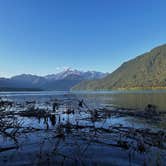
(123, 89)
(4, 89)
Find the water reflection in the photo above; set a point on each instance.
(131, 99)
(53, 120)
(126, 99)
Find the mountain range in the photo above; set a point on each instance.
(64, 80)
(143, 72)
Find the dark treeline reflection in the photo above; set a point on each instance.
(139, 99)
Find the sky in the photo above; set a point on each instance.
(44, 36)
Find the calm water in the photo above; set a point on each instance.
(125, 99)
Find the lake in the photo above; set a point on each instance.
(125, 99)
(88, 136)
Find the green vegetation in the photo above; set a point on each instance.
(144, 72)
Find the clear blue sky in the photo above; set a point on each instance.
(39, 36)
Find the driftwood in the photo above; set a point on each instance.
(8, 148)
(128, 138)
(34, 113)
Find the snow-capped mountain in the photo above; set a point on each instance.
(87, 75)
(64, 74)
(60, 81)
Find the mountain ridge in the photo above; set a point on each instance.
(60, 81)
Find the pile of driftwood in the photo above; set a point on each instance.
(9, 128)
(119, 136)
(123, 136)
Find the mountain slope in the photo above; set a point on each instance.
(145, 71)
(60, 81)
